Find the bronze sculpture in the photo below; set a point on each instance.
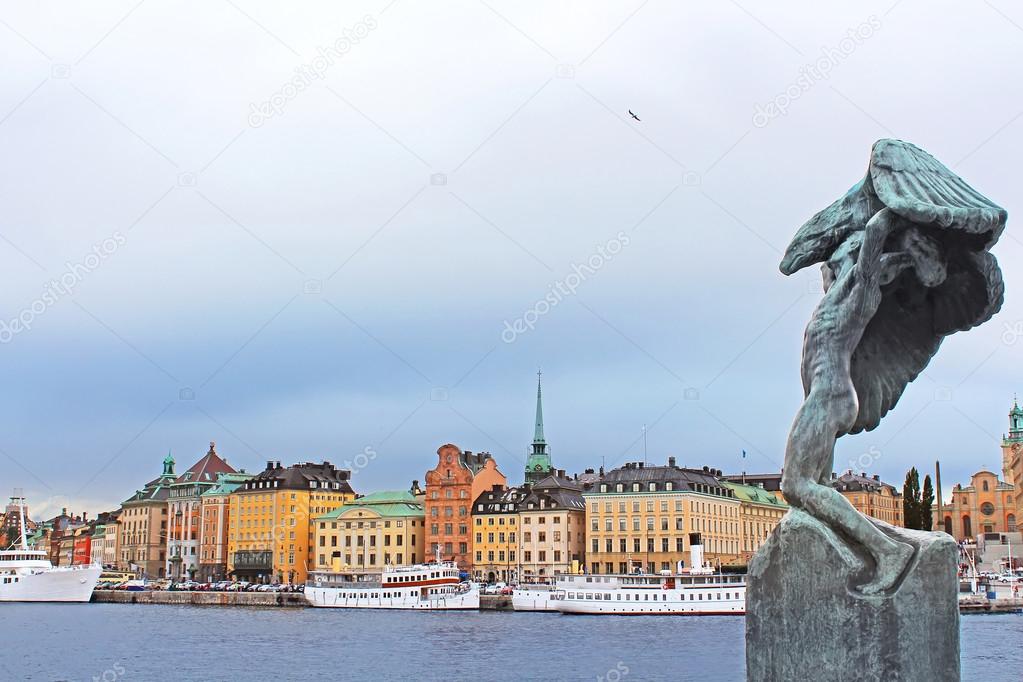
(906, 262)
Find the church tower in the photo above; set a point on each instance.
(1012, 444)
(538, 463)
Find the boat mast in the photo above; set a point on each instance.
(20, 495)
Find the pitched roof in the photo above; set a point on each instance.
(554, 492)
(754, 494)
(206, 469)
(694, 480)
(855, 482)
(304, 476)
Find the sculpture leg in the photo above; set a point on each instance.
(810, 450)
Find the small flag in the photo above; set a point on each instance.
(744, 454)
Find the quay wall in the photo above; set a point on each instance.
(200, 598)
(495, 602)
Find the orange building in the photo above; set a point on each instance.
(215, 513)
(270, 537)
(458, 479)
(984, 506)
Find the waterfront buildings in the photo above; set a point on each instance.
(184, 498)
(646, 517)
(214, 513)
(143, 526)
(871, 496)
(381, 529)
(458, 479)
(983, 506)
(495, 528)
(104, 539)
(552, 528)
(270, 537)
(759, 512)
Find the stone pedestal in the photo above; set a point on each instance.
(804, 621)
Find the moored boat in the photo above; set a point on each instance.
(26, 575)
(422, 587)
(534, 597)
(690, 592)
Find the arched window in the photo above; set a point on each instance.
(967, 527)
(948, 525)
(1010, 522)
(984, 485)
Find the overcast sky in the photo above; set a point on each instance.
(345, 229)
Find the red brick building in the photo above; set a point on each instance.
(458, 479)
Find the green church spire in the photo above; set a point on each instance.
(538, 464)
(538, 432)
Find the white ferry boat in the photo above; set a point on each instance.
(690, 592)
(27, 575)
(534, 597)
(429, 587)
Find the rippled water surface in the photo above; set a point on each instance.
(114, 642)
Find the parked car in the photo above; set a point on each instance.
(508, 589)
(491, 589)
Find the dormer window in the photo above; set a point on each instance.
(618, 488)
(635, 487)
(653, 487)
(603, 487)
(669, 486)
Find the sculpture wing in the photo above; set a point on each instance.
(910, 324)
(913, 319)
(918, 187)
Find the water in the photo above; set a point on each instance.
(121, 642)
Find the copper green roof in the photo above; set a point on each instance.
(754, 494)
(227, 483)
(385, 503)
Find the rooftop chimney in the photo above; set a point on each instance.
(671, 461)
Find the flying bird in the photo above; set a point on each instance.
(633, 115)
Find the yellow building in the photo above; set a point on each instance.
(871, 496)
(759, 512)
(648, 517)
(270, 536)
(381, 529)
(495, 524)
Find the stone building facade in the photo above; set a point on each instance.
(458, 479)
(871, 496)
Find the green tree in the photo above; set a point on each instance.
(926, 502)
(911, 500)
